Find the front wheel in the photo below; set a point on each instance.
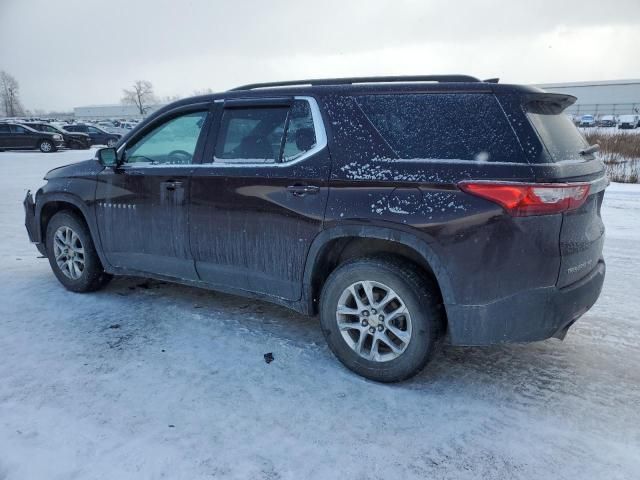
(72, 254)
(382, 317)
(47, 146)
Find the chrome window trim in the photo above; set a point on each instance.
(321, 143)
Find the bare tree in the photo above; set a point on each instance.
(170, 98)
(202, 91)
(10, 95)
(141, 95)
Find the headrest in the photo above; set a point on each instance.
(305, 139)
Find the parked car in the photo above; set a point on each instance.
(629, 121)
(588, 121)
(607, 121)
(405, 211)
(98, 135)
(71, 140)
(15, 136)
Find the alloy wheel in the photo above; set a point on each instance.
(69, 252)
(374, 321)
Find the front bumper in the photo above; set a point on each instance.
(527, 316)
(31, 223)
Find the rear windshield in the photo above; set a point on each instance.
(559, 135)
(457, 126)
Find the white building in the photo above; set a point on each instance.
(613, 97)
(116, 111)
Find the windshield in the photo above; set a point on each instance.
(559, 135)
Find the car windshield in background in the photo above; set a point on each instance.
(443, 126)
(558, 133)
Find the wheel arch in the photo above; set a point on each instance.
(53, 203)
(42, 139)
(335, 245)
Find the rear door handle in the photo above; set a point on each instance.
(171, 185)
(301, 190)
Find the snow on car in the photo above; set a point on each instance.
(147, 380)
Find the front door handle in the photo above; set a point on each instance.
(301, 190)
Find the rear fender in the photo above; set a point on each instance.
(421, 246)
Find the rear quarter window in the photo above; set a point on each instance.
(558, 134)
(454, 126)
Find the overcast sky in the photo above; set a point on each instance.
(68, 53)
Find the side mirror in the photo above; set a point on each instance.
(108, 157)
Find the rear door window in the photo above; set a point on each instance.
(265, 134)
(19, 129)
(456, 126)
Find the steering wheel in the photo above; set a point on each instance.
(182, 156)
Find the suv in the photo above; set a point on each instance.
(607, 121)
(71, 140)
(405, 211)
(629, 121)
(587, 121)
(98, 135)
(15, 136)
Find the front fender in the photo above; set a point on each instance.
(84, 205)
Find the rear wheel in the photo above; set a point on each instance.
(381, 317)
(46, 146)
(72, 254)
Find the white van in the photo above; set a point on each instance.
(629, 121)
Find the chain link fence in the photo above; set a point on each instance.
(599, 109)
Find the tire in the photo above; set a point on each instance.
(91, 276)
(422, 324)
(47, 146)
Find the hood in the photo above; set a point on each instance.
(86, 168)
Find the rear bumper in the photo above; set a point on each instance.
(31, 224)
(527, 316)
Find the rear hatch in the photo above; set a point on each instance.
(582, 232)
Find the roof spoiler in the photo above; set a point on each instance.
(548, 103)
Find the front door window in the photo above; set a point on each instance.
(172, 143)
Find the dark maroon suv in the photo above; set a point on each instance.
(405, 211)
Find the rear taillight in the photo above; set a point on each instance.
(523, 199)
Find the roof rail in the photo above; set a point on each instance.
(352, 80)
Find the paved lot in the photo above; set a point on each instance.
(148, 380)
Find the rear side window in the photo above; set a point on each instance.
(4, 129)
(265, 134)
(558, 134)
(443, 126)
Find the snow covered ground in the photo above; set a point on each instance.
(149, 380)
